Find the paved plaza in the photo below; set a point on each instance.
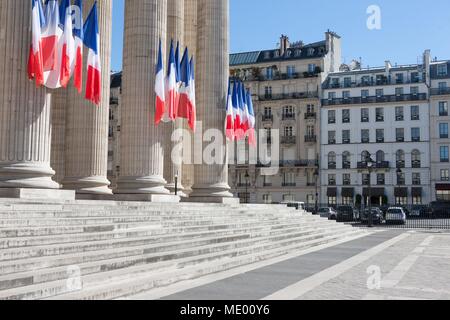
(389, 264)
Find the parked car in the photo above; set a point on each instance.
(396, 215)
(328, 212)
(419, 211)
(440, 209)
(347, 213)
(377, 215)
(295, 204)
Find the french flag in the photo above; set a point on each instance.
(177, 74)
(78, 37)
(159, 87)
(185, 104)
(251, 120)
(193, 115)
(171, 91)
(52, 46)
(92, 42)
(229, 124)
(68, 46)
(245, 124)
(236, 112)
(36, 60)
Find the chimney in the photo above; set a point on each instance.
(426, 66)
(284, 44)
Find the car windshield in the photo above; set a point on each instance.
(394, 211)
(323, 210)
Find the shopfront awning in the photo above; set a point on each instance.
(443, 186)
(332, 192)
(401, 192)
(416, 191)
(348, 192)
(374, 192)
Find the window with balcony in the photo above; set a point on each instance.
(443, 130)
(346, 160)
(289, 179)
(269, 73)
(380, 156)
(290, 70)
(310, 108)
(399, 114)
(414, 91)
(288, 113)
(331, 95)
(400, 159)
(401, 181)
(267, 181)
(346, 181)
(400, 135)
(416, 180)
(365, 155)
(442, 70)
(331, 137)
(380, 135)
(346, 116)
(364, 115)
(335, 83)
(379, 114)
(347, 82)
(331, 116)
(415, 77)
(365, 136)
(332, 160)
(267, 116)
(365, 80)
(399, 91)
(381, 179)
(415, 115)
(399, 78)
(415, 134)
(288, 131)
(379, 93)
(345, 95)
(442, 87)
(443, 153)
(268, 92)
(366, 179)
(345, 136)
(416, 161)
(381, 79)
(331, 179)
(445, 175)
(443, 108)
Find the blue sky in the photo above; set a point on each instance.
(408, 27)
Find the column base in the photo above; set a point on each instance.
(220, 200)
(96, 185)
(180, 190)
(37, 194)
(158, 198)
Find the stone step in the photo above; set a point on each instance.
(118, 283)
(140, 252)
(17, 242)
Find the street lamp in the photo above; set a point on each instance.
(370, 165)
(316, 207)
(247, 176)
(176, 184)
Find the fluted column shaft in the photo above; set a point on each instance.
(86, 145)
(175, 31)
(190, 41)
(25, 121)
(141, 142)
(212, 82)
(58, 159)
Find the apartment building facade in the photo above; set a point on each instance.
(285, 84)
(382, 114)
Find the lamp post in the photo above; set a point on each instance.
(370, 164)
(247, 176)
(316, 207)
(176, 184)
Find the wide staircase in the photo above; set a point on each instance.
(107, 250)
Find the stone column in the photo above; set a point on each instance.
(59, 107)
(211, 180)
(86, 150)
(175, 31)
(25, 121)
(141, 142)
(190, 40)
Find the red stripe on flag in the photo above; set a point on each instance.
(78, 77)
(49, 53)
(65, 67)
(93, 85)
(160, 109)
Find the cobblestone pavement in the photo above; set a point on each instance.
(417, 267)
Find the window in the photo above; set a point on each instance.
(415, 113)
(331, 116)
(380, 79)
(442, 70)
(288, 112)
(400, 134)
(379, 113)
(267, 181)
(364, 94)
(443, 151)
(417, 200)
(399, 78)
(399, 91)
(268, 92)
(335, 83)
(379, 93)
(443, 130)
(310, 108)
(331, 137)
(365, 155)
(443, 108)
(345, 136)
(345, 116)
(366, 179)
(364, 115)
(345, 95)
(381, 179)
(380, 156)
(415, 159)
(346, 161)
(400, 158)
(311, 67)
(332, 201)
(365, 80)
(401, 201)
(332, 160)
(401, 179)
(290, 71)
(414, 91)
(331, 179)
(310, 131)
(365, 136)
(399, 114)
(269, 73)
(347, 82)
(346, 179)
(416, 179)
(445, 175)
(380, 135)
(414, 77)
(331, 95)
(288, 131)
(442, 86)
(415, 134)
(267, 198)
(289, 179)
(443, 195)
